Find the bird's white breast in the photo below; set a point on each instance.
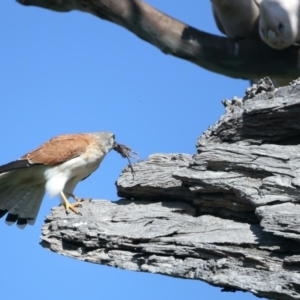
(74, 169)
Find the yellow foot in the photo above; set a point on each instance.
(68, 206)
(80, 199)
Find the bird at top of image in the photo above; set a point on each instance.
(55, 167)
(279, 22)
(275, 22)
(266, 20)
(236, 19)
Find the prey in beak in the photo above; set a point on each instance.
(125, 151)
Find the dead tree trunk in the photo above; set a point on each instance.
(229, 215)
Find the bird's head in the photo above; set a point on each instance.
(106, 140)
(278, 24)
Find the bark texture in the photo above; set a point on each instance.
(229, 215)
(234, 58)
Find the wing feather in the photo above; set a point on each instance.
(13, 199)
(17, 164)
(36, 204)
(7, 197)
(59, 149)
(6, 179)
(22, 205)
(4, 193)
(20, 201)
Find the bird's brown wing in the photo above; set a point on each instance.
(59, 149)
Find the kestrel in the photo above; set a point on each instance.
(55, 167)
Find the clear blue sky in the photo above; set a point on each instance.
(72, 72)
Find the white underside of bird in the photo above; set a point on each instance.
(279, 25)
(65, 177)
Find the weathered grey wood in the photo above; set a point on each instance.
(153, 178)
(229, 215)
(281, 219)
(234, 58)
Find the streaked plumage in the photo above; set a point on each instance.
(55, 167)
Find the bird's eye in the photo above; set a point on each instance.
(280, 28)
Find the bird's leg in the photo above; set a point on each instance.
(77, 199)
(68, 205)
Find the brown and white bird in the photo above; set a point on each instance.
(55, 167)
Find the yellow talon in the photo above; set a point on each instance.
(79, 199)
(70, 206)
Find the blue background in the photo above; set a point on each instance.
(72, 72)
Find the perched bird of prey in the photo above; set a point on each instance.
(279, 25)
(56, 167)
(236, 18)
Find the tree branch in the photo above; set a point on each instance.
(238, 59)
